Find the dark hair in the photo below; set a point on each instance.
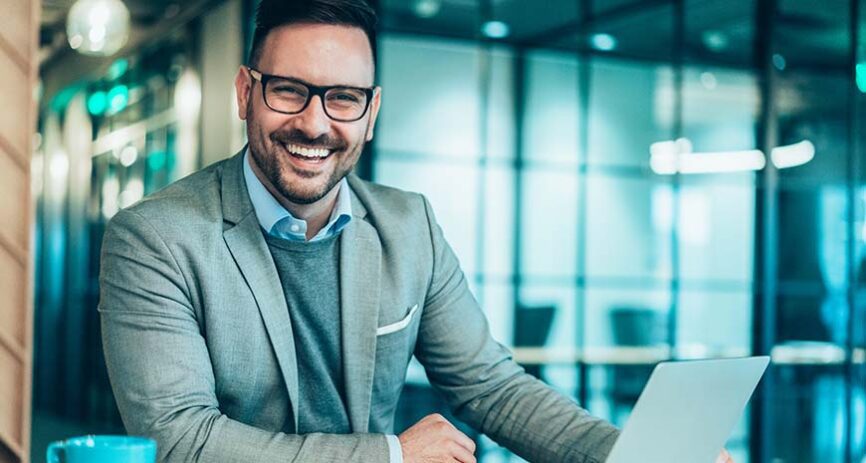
(275, 13)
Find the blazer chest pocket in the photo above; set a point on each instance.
(398, 325)
(392, 338)
(395, 343)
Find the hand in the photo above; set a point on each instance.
(435, 440)
(724, 457)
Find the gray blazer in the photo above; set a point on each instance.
(200, 351)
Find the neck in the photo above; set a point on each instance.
(316, 214)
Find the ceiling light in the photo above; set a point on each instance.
(603, 42)
(97, 27)
(779, 62)
(97, 103)
(118, 98)
(709, 81)
(495, 29)
(670, 157)
(794, 155)
(715, 41)
(128, 155)
(117, 69)
(427, 8)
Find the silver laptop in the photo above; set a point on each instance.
(687, 411)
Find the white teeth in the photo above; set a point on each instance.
(308, 152)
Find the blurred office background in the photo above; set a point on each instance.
(624, 182)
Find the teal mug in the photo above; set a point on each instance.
(103, 449)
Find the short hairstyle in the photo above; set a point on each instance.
(272, 14)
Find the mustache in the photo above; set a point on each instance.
(299, 138)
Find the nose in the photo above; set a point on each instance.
(313, 121)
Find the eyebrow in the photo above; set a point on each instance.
(310, 84)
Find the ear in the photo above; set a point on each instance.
(374, 112)
(243, 84)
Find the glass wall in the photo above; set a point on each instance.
(623, 181)
(638, 181)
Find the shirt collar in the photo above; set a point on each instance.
(277, 221)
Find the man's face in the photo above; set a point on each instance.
(323, 55)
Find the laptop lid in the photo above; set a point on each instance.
(687, 410)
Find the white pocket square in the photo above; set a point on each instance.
(397, 326)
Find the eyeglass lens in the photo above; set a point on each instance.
(344, 104)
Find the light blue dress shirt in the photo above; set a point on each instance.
(277, 221)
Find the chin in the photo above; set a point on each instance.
(303, 195)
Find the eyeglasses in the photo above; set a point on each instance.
(291, 96)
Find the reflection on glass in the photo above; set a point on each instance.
(630, 108)
(552, 107)
(433, 98)
(548, 226)
(453, 200)
(627, 223)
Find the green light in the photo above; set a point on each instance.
(62, 98)
(117, 69)
(97, 103)
(118, 98)
(156, 160)
(861, 77)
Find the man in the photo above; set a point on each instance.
(266, 308)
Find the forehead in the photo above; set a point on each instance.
(322, 54)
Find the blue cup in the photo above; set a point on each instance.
(103, 449)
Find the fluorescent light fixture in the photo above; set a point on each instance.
(722, 161)
(603, 42)
(794, 155)
(670, 157)
(495, 29)
(665, 155)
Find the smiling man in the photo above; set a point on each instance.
(267, 307)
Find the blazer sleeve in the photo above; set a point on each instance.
(161, 373)
(485, 387)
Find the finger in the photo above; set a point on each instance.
(455, 433)
(464, 441)
(462, 455)
(724, 457)
(433, 417)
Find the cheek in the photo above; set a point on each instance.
(354, 135)
(264, 123)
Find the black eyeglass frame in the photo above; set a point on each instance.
(313, 90)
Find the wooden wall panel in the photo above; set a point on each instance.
(10, 393)
(15, 27)
(14, 203)
(19, 29)
(16, 128)
(13, 287)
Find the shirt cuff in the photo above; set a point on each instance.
(395, 450)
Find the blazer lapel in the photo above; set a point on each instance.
(360, 258)
(243, 236)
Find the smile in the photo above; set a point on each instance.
(305, 153)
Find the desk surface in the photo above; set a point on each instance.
(795, 353)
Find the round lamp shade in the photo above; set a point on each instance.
(97, 27)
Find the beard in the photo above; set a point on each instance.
(294, 184)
